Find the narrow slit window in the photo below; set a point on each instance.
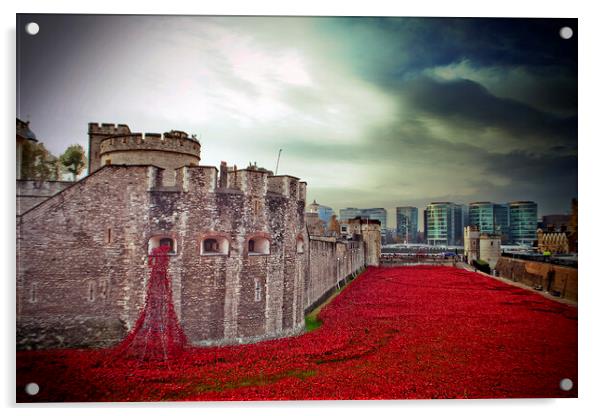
(257, 291)
(33, 295)
(91, 291)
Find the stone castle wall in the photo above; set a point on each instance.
(551, 277)
(330, 262)
(84, 280)
(82, 254)
(31, 193)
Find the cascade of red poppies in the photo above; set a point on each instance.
(157, 335)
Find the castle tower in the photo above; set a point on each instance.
(372, 239)
(96, 134)
(471, 243)
(490, 248)
(116, 145)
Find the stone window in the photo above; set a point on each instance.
(108, 236)
(103, 289)
(33, 294)
(215, 245)
(257, 291)
(160, 241)
(108, 162)
(91, 290)
(300, 246)
(258, 246)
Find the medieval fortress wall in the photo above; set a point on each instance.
(243, 266)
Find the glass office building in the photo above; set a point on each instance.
(444, 222)
(523, 222)
(325, 213)
(349, 213)
(407, 224)
(491, 218)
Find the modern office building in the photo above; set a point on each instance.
(407, 224)
(491, 218)
(325, 213)
(349, 213)
(443, 224)
(523, 222)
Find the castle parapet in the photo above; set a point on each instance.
(251, 182)
(166, 142)
(108, 129)
(200, 179)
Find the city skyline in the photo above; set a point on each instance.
(457, 110)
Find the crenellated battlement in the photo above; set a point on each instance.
(108, 128)
(175, 142)
(249, 182)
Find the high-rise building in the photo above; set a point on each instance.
(407, 224)
(443, 223)
(325, 213)
(349, 213)
(523, 222)
(379, 214)
(491, 218)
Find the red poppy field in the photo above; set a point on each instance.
(392, 333)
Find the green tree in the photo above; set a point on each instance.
(37, 163)
(74, 159)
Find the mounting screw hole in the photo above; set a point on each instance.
(32, 28)
(32, 389)
(566, 384)
(566, 32)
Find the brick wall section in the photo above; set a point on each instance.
(551, 277)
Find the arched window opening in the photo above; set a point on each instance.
(215, 245)
(162, 241)
(167, 242)
(210, 245)
(258, 246)
(300, 246)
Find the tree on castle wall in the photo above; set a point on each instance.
(38, 163)
(74, 160)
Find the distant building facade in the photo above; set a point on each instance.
(490, 218)
(552, 242)
(523, 222)
(481, 246)
(407, 224)
(324, 213)
(379, 214)
(443, 223)
(555, 222)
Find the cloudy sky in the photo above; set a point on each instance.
(371, 112)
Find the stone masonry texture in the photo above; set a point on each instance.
(82, 253)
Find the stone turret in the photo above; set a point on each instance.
(116, 145)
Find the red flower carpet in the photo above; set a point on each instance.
(393, 333)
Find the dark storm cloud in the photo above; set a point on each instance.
(464, 101)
